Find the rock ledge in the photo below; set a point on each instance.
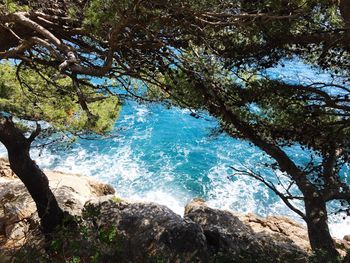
(148, 230)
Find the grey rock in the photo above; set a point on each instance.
(150, 230)
(228, 237)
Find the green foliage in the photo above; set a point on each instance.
(101, 16)
(91, 212)
(279, 113)
(37, 98)
(321, 256)
(12, 6)
(104, 13)
(80, 241)
(74, 259)
(116, 199)
(282, 29)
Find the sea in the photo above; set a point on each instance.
(168, 156)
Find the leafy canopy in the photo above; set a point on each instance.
(34, 98)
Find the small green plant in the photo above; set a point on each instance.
(80, 241)
(320, 256)
(90, 212)
(74, 259)
(13, 7)
(116, 199)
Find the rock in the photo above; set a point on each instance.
(16, 203)
(347, 238)
(5, 171)
(229, 237)
(342, 245)
(150, 230)
(101, 189)
(17, 232)
(17, 208)
(282, 228)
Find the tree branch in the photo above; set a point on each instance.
(272, 187)
(35, 133)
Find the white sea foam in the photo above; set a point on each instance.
(339, 227)
(141, 113)
(174, 166)
(238, 195)
(163, 198)
(227, 194)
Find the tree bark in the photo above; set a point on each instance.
(31, 175)
(320, 239)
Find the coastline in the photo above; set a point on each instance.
(74, 191)
(338, 229)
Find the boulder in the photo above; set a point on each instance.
(151, 231)
(282, 228)
(228, 237)
(72, 191)
(16, 208)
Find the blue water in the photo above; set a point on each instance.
(168, 156)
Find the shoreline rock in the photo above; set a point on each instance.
(148, 229)
(18, 210)
(227, 234)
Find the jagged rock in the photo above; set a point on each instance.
(343, 246)
(152, 230)
(282, 228)
(229, 237)
(203, 235)
(17, 208)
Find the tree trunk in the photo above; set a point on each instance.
(320, 239)
(315, 206)
(29, 173)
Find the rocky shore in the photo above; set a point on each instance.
(150, 230)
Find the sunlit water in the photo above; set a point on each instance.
(169, 157)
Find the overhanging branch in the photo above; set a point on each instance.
(35, 133)
(271, 186)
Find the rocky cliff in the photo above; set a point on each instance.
(151, 231)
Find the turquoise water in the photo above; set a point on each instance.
(170, 157)
(167, 156)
